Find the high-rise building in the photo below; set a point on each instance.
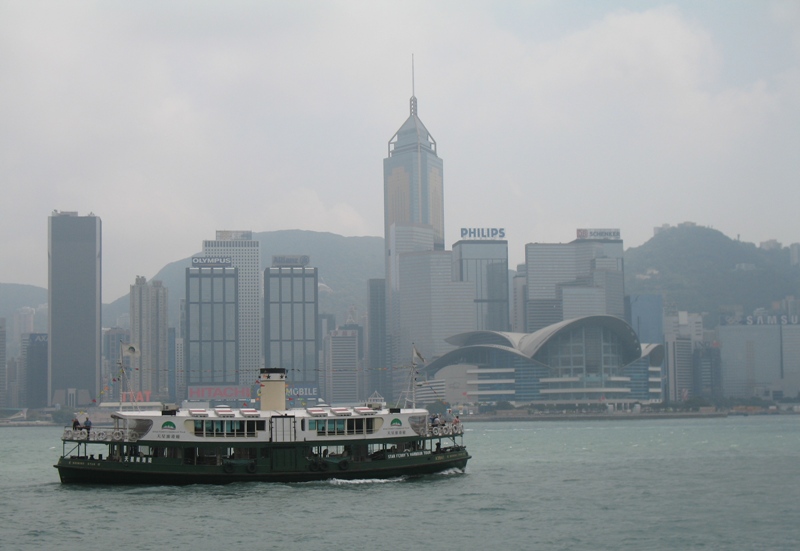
(572, 280)
(149, 322)
(484, 262)
(245, 255)
(344, 378)
(379, 376)
(211, 336)
(74, 296)
(33, 360)
(291, 308)
(413, 199)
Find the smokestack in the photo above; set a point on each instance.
(273, 389)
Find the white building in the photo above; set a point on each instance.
(245, 255)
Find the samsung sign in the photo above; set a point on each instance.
(483, 233)
(205, 261)
(602, 233)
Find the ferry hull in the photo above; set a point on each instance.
(88, 471)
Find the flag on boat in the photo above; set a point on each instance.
(130, 350)
(417, 357)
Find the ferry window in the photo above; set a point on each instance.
(351, 426)
(302, 424)
(331, 426)
(261, 425)
(340, 426)
(198, 427)
(359, 426)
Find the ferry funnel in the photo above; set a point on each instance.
(273, 388)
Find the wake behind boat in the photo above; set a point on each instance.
(221, 445)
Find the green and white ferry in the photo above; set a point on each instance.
(219, 445)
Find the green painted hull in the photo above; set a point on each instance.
(174, 472)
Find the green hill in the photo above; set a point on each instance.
(345, 264)
(701, 270)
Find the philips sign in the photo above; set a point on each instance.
(483, 233)
(594, 233)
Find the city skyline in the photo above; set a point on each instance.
(544, 111)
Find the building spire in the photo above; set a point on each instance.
(413, 102)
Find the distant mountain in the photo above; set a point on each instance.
(697, 269)
(701, 270)
(345, 264)
(14, 296)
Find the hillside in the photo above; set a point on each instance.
(345, 264)
(702, 270)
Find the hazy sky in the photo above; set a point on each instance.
(171, 120)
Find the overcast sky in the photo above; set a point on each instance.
(170, 120)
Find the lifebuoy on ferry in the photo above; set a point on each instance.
(101, 435)
(83, 435)
(67, 434)
(117, 435)
(251, 467)
(436, 431)
(447, 430)
(344, 465)
(314, 466)
(132, 436)
(228, 468)
(323, 466)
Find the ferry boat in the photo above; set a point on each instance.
(219, 445)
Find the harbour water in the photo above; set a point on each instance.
(722, 483)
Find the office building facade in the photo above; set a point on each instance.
(149, 324)
(211, 333)
(244, 254)
(344, 377)
(485, 264)
(74, 298)
(291, 309)
(569, 280)
(413, 211)
(33, 363)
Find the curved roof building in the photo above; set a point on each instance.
(586, 360)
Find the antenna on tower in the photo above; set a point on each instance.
(413, 102)
(412, 75)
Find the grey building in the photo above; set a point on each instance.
(33, 363)
(413, 210)
(211, 333)
(760, 358)
(149, 323)
(74, 297)
(569, 280)
(485, 264)
(244, 254)
(291, 308)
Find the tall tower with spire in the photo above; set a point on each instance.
(413, 216)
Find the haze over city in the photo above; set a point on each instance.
(170, 121)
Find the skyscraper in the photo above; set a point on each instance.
(33, 360)
(245, 255)
(211, 339)
(291, 308)
(74, 295)
(413, 196)
(572, 280)
(484, 262)
(149, 333)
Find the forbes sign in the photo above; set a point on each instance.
(483, 233)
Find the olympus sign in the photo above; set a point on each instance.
(203, 261)
(483, 233)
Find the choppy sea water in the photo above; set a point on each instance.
(724, 483)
